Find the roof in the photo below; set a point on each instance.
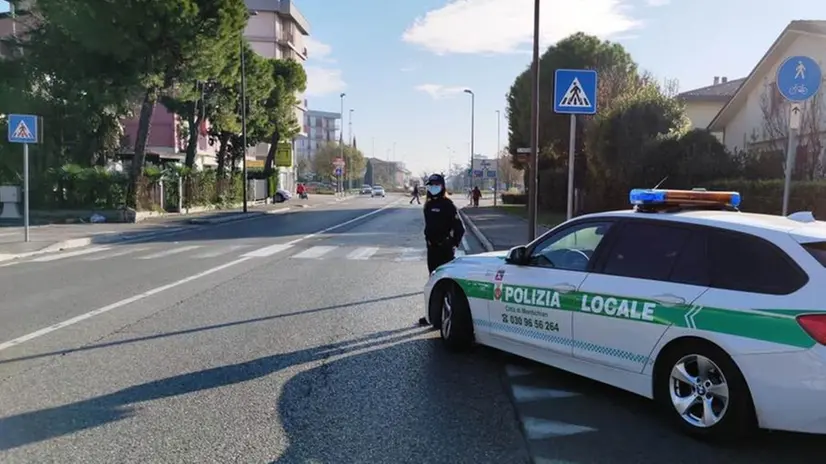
(730, 220)
(713, 93)
(794, 30)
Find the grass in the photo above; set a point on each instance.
(545, 218)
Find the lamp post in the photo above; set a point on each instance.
(533, 180)
(341, 137)
(472, 131)
(244, 122)
(347, 173)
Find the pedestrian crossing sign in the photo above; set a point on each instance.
(575, 91)
(23, 128)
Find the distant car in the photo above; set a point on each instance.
(366, 189)
(282, 195)
(378, 191)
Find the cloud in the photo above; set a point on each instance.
(323, 81)
(658, 2)
(409, 68)
(439, 92)
(505, 26)
(317, 50)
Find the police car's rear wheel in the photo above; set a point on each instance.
(456, 325)
(706, 392)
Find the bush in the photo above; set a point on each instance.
(766, 196)
(514, 199)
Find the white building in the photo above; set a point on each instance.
(320, 128)
(703, 104)
(277, 29)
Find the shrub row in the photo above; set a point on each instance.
(758, 196)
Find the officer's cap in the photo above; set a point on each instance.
(435, 179)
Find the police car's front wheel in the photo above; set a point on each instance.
(705, 392)
(456, 323)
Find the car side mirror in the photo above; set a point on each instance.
(517, 255)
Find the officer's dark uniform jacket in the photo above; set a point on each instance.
(443, 230)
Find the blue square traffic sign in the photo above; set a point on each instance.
(22, 128)
(575, 91)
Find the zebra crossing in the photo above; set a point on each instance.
(212, 251)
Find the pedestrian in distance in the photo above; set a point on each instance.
(443, 230)
(477, 194)
(415, 195)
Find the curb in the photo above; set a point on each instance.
(230, 218)
(476, 232)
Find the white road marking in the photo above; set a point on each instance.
(44, 259)
(115, 254)
(170, 252)
(523, 393)
(124, 302)
(266, 251)
(315, 252)
(214, 253)
(362, 253)
(412, 254)
(540, 429)
(517, 371)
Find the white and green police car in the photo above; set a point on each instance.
(718, 314)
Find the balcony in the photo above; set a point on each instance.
(287, 39)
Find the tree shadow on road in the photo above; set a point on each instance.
(45, 424)
(224, 325)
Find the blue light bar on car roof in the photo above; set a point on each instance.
(652, 197)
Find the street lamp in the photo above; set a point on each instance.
(498, 132)
(341, 137)
(533, 180)
(472, 130)
(244, 114)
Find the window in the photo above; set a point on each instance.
(571, 248)
(646, 251)
(746, 263)
(818, 250)
(691, 267)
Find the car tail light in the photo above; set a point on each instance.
(814, 325)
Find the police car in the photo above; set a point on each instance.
(720, 315)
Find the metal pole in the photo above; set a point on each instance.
(498, 160)
(533, 180)
(571, 162)
(347, 174)
(26, 191)
(244, 122)
(472, 127)
(787, 186)
(341, 142)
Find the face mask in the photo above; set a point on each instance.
(434, 189)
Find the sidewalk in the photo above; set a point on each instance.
(495, 228)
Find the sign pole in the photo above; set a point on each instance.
(24, 129)
(26, 191)
(571, 162)
(787, 185)
(798, 80)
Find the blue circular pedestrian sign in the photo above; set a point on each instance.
(799, 78)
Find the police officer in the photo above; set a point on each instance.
(443, 230)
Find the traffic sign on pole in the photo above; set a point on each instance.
(799, 78)
(575, 91)
(23, 129)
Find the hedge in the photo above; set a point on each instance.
(514, 199)
(766, 196)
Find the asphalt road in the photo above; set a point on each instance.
(271, 341)
(302, 349)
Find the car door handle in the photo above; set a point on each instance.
(564, 288)
(669, 300)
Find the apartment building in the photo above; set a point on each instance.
(320, 128)
(276, 29)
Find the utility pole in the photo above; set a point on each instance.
(533, 180)
(244, 122)
(341, 139)
(472, 132)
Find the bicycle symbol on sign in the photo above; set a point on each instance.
(799, 89)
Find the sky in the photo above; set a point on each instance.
(404, 68)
